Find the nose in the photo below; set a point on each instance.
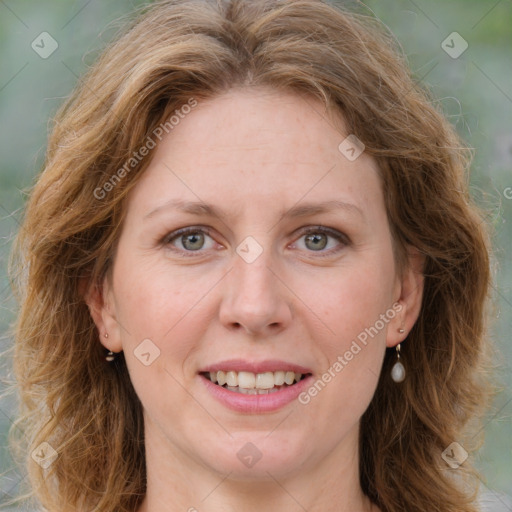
(254, 299)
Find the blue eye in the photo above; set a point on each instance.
(314, 239)
(190, 239)
(323, 240)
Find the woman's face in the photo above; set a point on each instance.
(286, 268)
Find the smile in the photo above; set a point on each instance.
(255, 392)
(249, 383)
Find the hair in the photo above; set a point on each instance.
(179, 51)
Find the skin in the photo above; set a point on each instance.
(255, 153)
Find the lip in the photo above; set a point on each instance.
(256, 404)
(242, 365)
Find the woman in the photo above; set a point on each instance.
(253, 277)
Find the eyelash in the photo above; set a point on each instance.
(340, 237)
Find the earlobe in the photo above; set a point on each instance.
(409, 297)
(101, 312)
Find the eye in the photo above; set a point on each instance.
(321, 239)
(318, 239)
(190, 239)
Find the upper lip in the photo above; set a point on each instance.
(243, 365)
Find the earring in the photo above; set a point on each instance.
(110, 356)
(398, 370)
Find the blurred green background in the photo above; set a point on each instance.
(474, 89)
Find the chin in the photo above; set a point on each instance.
(254, 456)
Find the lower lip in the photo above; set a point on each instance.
(256, 403)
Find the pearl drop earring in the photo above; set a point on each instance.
(398, 370)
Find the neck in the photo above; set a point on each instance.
(177, 483)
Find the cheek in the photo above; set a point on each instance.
(351, 300)
(353, 348)
(152, 297)
(167, 306)
(163, 307)
(352, 303)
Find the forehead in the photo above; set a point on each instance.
(254, 146)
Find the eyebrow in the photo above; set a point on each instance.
(300, 210)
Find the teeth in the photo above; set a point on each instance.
(254, 383)
(278, 378)
(232, 379)
(289, 377)
(221, 378)
(252, 391)
(265, 380)
(246, 380)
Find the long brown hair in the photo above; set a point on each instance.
(176, 50)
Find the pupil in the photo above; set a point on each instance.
(193, 241)
(318, 240)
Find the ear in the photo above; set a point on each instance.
(99, 299)
(408, 297)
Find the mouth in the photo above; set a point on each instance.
(249, 383)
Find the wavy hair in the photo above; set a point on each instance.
(175, 50)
